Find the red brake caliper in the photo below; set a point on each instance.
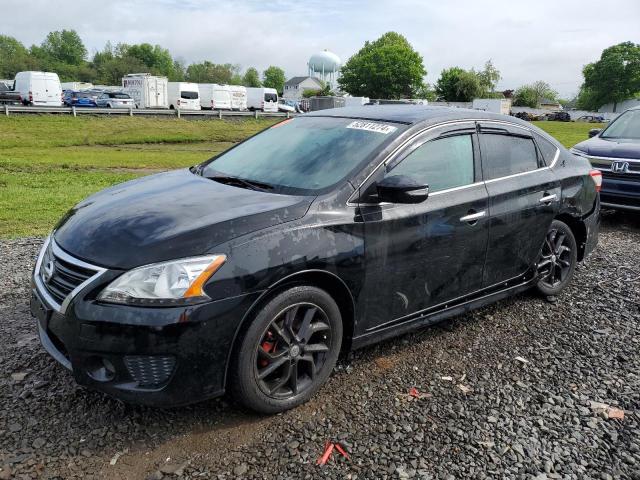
(269, 345)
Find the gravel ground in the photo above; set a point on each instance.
(521, 389)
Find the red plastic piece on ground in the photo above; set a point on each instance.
(342, 451)
(328, 449)
(413, 392)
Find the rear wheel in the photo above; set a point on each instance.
(288, 351)
(557, 260)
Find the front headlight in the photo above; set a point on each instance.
(168, 283)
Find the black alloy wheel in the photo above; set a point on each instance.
(288, 350)
(557, 260)
(292, 350)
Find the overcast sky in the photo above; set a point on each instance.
(527, 40)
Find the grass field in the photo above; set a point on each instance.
(49, 163)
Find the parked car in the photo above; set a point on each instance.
(523, 116)
(9, 96)
(559, 117)
(288, 106)
(72, 98)
(250, 272)
(590, 119)
(615, 151)
(39, 88)
(115, 100)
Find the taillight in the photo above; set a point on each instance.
(178, 102)
(596, 176)
(213, 104)
(30, 97)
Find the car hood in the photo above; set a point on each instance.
(615, 148)
(166, 216)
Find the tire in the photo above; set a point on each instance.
(264, 364)
(557, 259)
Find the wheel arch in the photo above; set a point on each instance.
(328, 281)
(579, 230)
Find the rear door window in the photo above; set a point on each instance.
(270, 97)
(442, 163)
(189, 95)
(504, 155)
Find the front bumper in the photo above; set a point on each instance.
(153, 356)
(620, 191)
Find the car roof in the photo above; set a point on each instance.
(412, 114)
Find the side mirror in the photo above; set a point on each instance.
(402, 189)
(594, 131)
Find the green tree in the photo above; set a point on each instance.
(209, 72)
(531, 95)
(273, 77)
(158, 60)
(388, 67)
(469, 86)
(447, 84)
(613, 78)
(64, 46)
(251, 78)
(14, 57)
(489, 77)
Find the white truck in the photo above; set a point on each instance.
(262, 98)
(238, 97)
(184, 95)
(39, 88)
(214, 96)
(147, 91)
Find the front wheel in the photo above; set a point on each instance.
(288, 351)
(557, 260)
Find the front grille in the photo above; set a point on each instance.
(150, 370)
(634, 176)
(61, 274)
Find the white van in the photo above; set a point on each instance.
(265, 99)
(214, 96)
(147, 91)
(39, 88)
(184, 95)
(238, 97)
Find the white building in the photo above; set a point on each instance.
(296, 86)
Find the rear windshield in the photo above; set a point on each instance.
(305, 155)
(119, 95)
(189, 95)
(626, 125)
(270, 97)
(83, 95)
(4, 88)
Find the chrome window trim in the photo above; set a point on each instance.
(391, 156)
(59, 253)
(612, 159)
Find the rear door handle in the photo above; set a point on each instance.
(473, 217)
(548, 198)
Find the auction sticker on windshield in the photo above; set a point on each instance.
(372, 127)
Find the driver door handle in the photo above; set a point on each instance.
(548, 198)
(473, 217)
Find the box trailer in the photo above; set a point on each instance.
(238, 97)
(147, 91)
(184, 95)
(262, 98)
(76, 86)
(214, 96)
(39, 88)
(494, 105)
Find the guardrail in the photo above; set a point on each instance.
(75, 111)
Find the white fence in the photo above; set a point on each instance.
(13, 109)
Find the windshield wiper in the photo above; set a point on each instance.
(241, 182)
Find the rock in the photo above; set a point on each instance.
(240, 469)
(39, 443)
(5, 473)
(18, 376)
(157, 475)
(15, 427)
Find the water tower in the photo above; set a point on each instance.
(325, 66)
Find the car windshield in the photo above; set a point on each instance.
(304, 155)
(626, 125)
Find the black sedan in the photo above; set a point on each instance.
(615, 151)
(251, 272)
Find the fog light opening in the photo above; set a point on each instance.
(100, 369)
